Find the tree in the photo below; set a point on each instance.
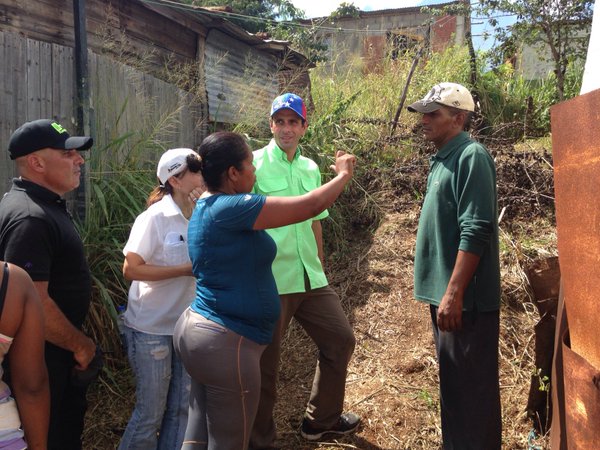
(277, 19)
(561, 25)
(345, 10)
(260, 15)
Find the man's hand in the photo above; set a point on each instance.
(449, 315)
(84, 353)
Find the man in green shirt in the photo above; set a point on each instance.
(281, 170)
(457, 270)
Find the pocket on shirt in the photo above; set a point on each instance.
(309, 184)
(175, 249)
(271, 186)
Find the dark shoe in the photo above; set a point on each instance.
(346, 424)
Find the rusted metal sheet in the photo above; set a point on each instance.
(576, 154)
(582, 399)
(544, 278)
(558, 440)
(241, 82)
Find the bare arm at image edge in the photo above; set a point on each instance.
(26, 356)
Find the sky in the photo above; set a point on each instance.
(320, 8)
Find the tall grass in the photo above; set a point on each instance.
(353, 111)
(122, 172)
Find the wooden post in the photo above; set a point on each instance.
(82, 101)
(410, 74)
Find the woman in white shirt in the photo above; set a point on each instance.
(157, 262)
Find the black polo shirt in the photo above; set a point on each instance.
(37, 233)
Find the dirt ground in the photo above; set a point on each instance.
(392, 378)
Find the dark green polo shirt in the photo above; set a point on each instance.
(460, 212)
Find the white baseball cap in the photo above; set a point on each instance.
(444, 94)
(172, 162)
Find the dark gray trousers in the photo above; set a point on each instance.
(225, 371)
(469, 383)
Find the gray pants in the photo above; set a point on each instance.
(225, 371)
(320, 313)
(469, 385)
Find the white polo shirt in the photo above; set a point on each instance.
(159, 236)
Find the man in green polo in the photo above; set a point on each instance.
(281, 170)
(457, 269)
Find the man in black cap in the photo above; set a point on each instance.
(38, 234)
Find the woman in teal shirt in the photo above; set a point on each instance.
(222, 335)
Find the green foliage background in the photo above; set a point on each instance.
(352, 112)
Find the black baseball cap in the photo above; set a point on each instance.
(44, 133)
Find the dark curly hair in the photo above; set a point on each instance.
(218, 152)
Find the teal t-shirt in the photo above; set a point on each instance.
(460, 212)
(232, 264)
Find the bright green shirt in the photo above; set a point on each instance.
(460, 212)
(297, 251)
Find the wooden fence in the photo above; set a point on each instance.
(37, 80)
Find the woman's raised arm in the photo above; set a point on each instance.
(281, 211)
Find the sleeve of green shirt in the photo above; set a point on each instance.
(325, 213)
(476, 198)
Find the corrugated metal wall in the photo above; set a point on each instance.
(363, 42)
(241, 82)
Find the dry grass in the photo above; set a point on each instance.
(392, 379)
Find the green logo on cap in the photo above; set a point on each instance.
(58, 127)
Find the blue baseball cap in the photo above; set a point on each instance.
(289, 101)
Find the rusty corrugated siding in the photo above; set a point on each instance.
(576, 154)
(241, 82)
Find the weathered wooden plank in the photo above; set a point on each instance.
(19, 75)
(33, 80)
(14, 95)
(240, 81)
(55, 95)
(125, 27)
(46, 20)
(64, 86)
(5, 114)
(161, 32)
(51, 86)
(182, 19)
(97, 88)
(46, 80)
